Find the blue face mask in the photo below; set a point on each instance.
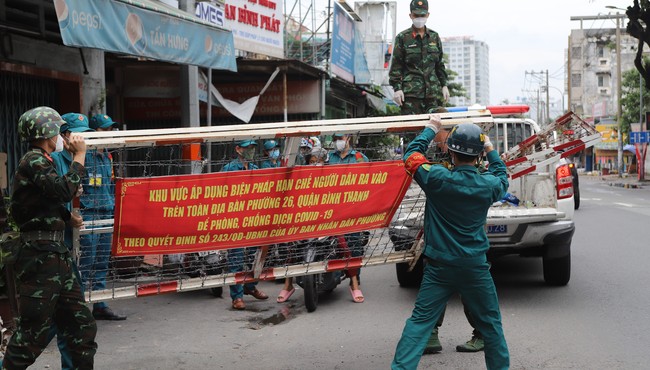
(275, 154)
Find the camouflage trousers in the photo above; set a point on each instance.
(420, 106)
(49, 293)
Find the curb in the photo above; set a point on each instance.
(626, 185)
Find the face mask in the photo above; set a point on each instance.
(248, 154)
(340, 145)
(419, 22)
(275, 154)
(59, 144)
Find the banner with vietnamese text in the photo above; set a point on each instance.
(192, 213)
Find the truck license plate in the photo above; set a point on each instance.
(497, 229)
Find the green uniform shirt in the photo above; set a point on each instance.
(457, 204)
(40, 194)
(417, 67)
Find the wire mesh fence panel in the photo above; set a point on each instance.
(183, 209)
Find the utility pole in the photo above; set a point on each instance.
(547, 108)
(568, 77)
(538, 112)
(548, 116)
(619, 94)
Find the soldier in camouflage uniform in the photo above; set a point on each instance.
(48, 288)
(417, 70)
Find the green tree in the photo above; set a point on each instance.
(630, 98)
(639, 20)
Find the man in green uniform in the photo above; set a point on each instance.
(238, 257)
(74, 122)
(417, 71)
(272, 153)
(457, 202)
(49, 290)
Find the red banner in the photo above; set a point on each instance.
(191, 213)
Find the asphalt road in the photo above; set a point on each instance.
(601, 320)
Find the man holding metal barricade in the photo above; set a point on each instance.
(98, 203)
(48, 288)
(457, 202)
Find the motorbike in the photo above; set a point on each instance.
(197, 265)
(322, 249)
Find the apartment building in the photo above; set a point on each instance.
(470, 59)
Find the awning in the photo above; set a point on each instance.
(147, 29)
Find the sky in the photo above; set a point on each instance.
(522, 35)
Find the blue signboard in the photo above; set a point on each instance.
(348, 58)
(119, 27)
(343, 44)
(639, 137)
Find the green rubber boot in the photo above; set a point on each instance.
(473, 345)
(433, 345)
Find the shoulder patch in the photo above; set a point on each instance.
(414, 161)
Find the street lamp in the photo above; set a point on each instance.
(619, 91)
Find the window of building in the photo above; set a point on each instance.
(601, 81)
(600, 51)
(576, 80)
(576, 52)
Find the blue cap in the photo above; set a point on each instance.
(75, 122)
(101, 121)
(245, 143)
(270, 144)
(338, 134)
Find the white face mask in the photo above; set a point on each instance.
(419, 22)
(59, 144)
(340, 145)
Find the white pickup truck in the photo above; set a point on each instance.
(541, 223)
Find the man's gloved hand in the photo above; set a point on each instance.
(398, 97)
(445, 93)
(435, 123)
(487, 144)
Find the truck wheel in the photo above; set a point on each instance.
(310, 290)
(576, 198)
(217, 292)
(557, 271)
(409, 279)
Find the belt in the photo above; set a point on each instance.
(35, 235)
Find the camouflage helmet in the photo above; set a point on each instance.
(39, 123)
(466, 138)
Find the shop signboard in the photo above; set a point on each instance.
(145, 29)
(257, 25)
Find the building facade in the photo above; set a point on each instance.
(593, 70)
(592, 61)
(470, 59)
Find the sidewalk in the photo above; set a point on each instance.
(625, 181)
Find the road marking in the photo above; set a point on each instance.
(624, 204)
(596, 199)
